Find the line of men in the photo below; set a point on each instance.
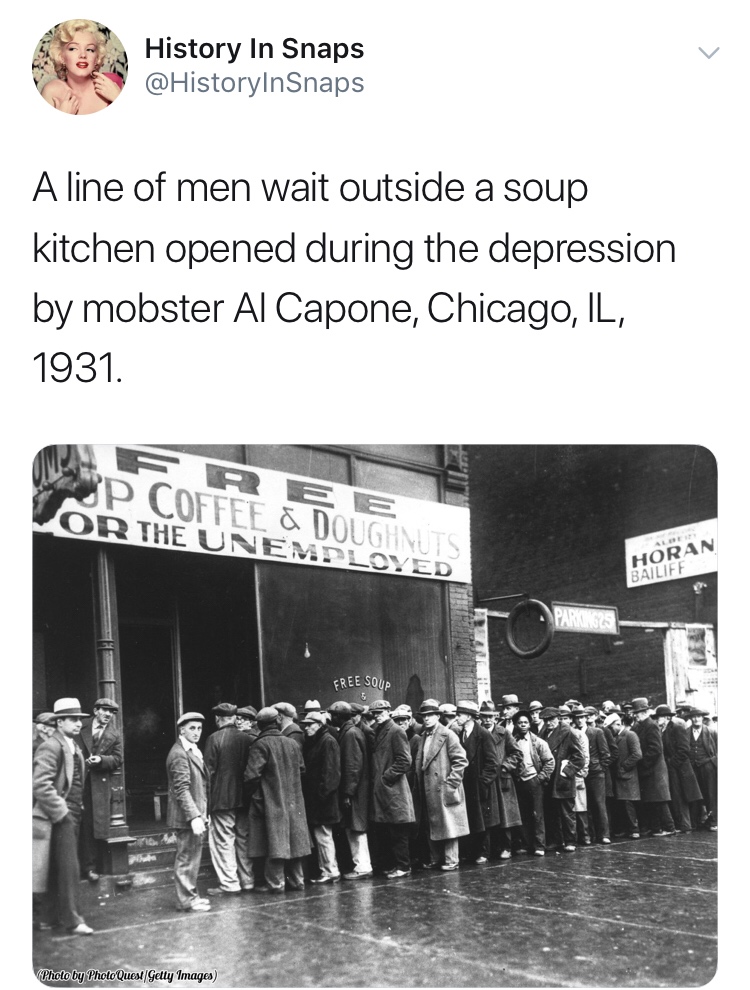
(382, 791)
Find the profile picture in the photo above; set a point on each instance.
(80, 67)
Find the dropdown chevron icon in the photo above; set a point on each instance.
(706, 53)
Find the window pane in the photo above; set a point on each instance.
(425, 453)
(397, 481)
(305, 461)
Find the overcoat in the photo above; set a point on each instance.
(293, 731)
(320, 782)
(439, 780)
(624, 772)
(355, 776)
(51, 782)
(278, 824)
(677, 754)
(226, 757)
(482, 806)
(391, 800)
(566, 749)
(613, 751)
(99, 778)
(189, 786)
(653, 776)
(511, 761)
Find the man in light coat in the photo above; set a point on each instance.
(537, 764)
(392, 808)
(59, 774)
(440, 764)
(187, 809)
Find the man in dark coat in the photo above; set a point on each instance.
(44, 726)
(354, 789)
(704, 757)
(626, 790)
(600, 757)
(653, 776)
(560, 817)
(59, 773)
(225, 758)
(288, 723)
(509, 759)
(683, 786)
(278, 824)
(392, 808)
(482, 805)
(187, 809)
(101, 744)
(320, 787)
(440, 764)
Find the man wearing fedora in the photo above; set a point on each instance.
(559, 795)
(600, 756)
(225, 758)
(391, 801)
(704, 759)
(625, 787)
(440, 764)
(682, 783)
(509, 706)
(354, 789)
(187, 809)
(653, 777)
(58, 786)
(482, 805)
(102, 749)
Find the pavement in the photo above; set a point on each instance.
(634, 914)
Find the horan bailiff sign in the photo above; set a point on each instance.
(682, 552)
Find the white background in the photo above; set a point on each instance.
(617, 94)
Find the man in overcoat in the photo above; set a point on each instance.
(101, 744)
(392, 808)
(288, 722)
(600, 757)
(653, 776)
(440, 765)
(560, 818)
(59, 774)
(509, 760)
(624, 773)
(354, 789)
(320, 787)
(482, 803)
(44, 726)
(683, 786)
(187, 809)
(704, 757)
(225, 757)
(278, 823)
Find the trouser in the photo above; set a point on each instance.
(245, 873)
(444, 851)
(530, 795)
(187, 864)
(679, 806)
(277, 870)
(391, 845)
(657, 815)
(597, 801)
(326, 848)
(60, 902)
(360, 850)
(630, 818)
(221, 843)
(563, 831)
(89, 848)
(707, 777)
(583, 830)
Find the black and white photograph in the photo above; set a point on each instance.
(375, 715)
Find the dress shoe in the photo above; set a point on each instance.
(220, 892)
(662, 832)
(293, 885)
(357, 876)
(327, 878)
(712, 828)
(480, 860)
(82, 929)
(606, 841)
(92, 876)
(266, 889)
(505, 854)
(397, 874)
(199, 905)
(538, 852)
(634, 835)
(449, 867)
(569, 849)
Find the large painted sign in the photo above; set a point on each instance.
(601, 620)
(682, 552)
(147, 497)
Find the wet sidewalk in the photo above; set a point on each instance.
(634, 914)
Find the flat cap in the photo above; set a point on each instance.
(403, 711)
(247, 712)
(46, 718)
(357, 708)
(190, 717)
(341, 708)
(225, 709)
(381, 705)
(590, 710)
(550, 713)
(284, 708)
(267, 716)
(107, 703)
(313, 718)
(612, 717)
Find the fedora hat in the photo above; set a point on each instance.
(661, 710)
(639, 705)
(535, 706)
(312, 706)
(467, 708)
(68, 708)
(509, 699)
(487, 707)
(429, 706)
(447, 708)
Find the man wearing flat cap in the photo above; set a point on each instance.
(537, 725)
(278, 824)
(245, 721)
(59, 775)
(391, 800)
(653, 777)
(225, 758)
(101, 744)
(448, 715)
(288, 722)
(600, 756)
(559, 796)
(625, 787)
(44, 726)
(320, 787)
(187, 809)
(354, 789)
